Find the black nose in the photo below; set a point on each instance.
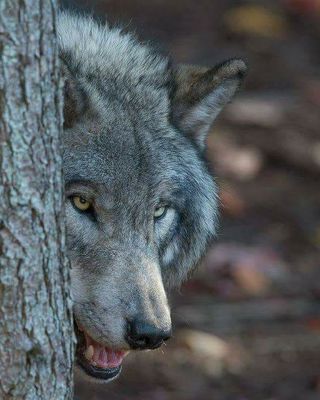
(142, 335)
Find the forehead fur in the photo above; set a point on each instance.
(89, 47)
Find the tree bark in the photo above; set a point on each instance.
(36, 330)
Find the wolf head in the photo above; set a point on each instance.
(141, 204)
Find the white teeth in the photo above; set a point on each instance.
(89, 353)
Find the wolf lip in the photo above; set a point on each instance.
(98, 360)
(105, 374)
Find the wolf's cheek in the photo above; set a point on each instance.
(82, 234)
(78, 285)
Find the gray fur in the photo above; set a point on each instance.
(133, 139)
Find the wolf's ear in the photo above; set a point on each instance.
(74, 99)
(199, 94)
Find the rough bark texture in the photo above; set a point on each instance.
(36, 333)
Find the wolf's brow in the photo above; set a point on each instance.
(85, 184)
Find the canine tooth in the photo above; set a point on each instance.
(89, 353)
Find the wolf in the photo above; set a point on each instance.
(141, 203)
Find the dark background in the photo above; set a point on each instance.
(247, 326)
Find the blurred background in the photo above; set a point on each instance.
(247, 326)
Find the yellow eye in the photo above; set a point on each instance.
(81, 203)
(160, 212)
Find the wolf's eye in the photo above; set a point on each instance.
(81, 203)
(160, 212)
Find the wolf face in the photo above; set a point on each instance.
(141, 205)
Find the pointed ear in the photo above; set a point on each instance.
(199, 95)
(75, 100)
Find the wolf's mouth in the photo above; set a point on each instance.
(97, 360)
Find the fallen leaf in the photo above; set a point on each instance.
(252, 281)
(256, 20)
(304, 6)
(240, 162)
(211, 353)
(252, 270)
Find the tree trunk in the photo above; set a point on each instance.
(36, 332)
